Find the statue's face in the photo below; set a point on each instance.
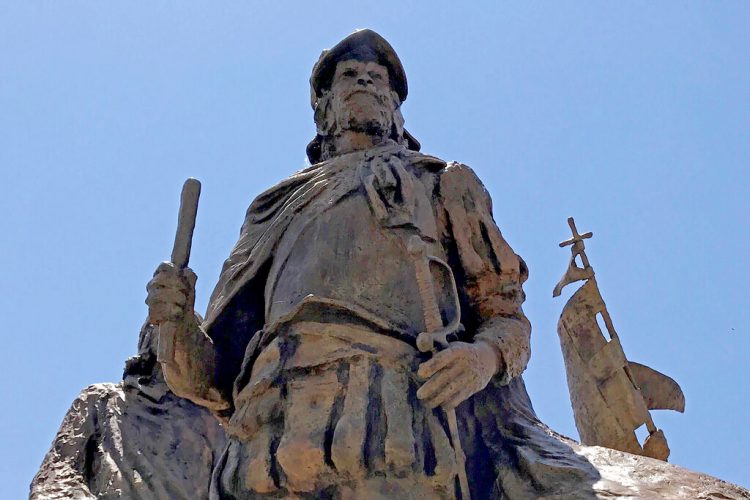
(361, 97)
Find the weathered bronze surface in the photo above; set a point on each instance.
(366, 337)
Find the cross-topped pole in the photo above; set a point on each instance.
(574, 272)
(655, 445)
(577, 242)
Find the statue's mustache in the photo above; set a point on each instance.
(377, 95)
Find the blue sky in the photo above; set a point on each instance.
(633, 117)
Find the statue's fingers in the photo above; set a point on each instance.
(158, 291)
(436, 363)
(160, 311)
(170, 296)
(463, 393)
(153, 285)
(437, 384)
(189, 277)
(165, 281)
(164, 308)
(450, 390)
(169, 284)
(165, 267)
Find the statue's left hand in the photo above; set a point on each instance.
(458, 372)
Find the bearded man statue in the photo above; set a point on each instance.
(310, 350)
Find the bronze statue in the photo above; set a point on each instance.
(366, 333)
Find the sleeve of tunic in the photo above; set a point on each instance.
(489, 274)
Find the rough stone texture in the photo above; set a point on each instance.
(624, 475)
(132, 440)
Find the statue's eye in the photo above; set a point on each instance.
(350, 72)
(376, 76)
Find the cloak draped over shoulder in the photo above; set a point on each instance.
(499, 423)
(510, 452)
(489, 274)
(235, 312)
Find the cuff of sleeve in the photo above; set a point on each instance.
(510, 338)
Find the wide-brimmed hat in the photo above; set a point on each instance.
(363, 45)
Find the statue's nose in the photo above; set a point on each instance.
(365, 81)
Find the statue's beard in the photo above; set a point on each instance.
(364, 112)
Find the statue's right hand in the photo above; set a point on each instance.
(171, 294)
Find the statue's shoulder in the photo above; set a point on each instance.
(458, 181)
(457, 172)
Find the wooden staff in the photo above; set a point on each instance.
(183, 242)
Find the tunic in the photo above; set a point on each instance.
(345, 254)
(337, 241)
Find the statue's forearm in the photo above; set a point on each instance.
(190, 373)
(509, 336)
